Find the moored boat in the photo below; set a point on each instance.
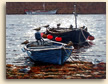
(30, 12)
(49, 52)
(77, 35)
(40, 12)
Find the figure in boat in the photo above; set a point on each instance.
(38, 36)
(77, 36)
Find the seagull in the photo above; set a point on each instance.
(25, 70)
(70, 43)
(25, 42)
(46, 26)
(96, 61)
(37, 29)
(71, 27)
(85, 29)
(58, 24)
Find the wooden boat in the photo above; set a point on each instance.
(49, 52)
(77, 35)
(29, 12)
(40, 12)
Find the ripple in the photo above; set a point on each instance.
(19, 28)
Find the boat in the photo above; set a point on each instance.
(49, 52)
(30, 12)
(40, 12)
(77, 35)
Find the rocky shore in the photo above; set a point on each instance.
(70, 70)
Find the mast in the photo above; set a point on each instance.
(75, 14)
(44, 6)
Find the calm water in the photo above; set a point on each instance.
(19, 28)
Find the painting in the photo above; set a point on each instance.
(55, 40)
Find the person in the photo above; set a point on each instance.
(38, 36)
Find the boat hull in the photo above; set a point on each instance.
(50, 56)
(53, 55)
(40, 12)
(77, 36)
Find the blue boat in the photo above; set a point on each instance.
(50, 52)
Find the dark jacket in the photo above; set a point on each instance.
(38, 36)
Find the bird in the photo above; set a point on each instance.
(37, 29)
(58, 24)
(71, 27)
(25, 42)
(46, 26)
(85, 29)
(69, 44)
(96, 61)
(25, 70)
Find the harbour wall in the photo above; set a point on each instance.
(62, 7)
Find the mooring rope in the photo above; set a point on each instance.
(84, 36)
(71, 57)
(67, 49)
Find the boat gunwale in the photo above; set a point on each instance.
(62, 46)
(28, 49)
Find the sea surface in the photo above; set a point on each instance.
(20, 28)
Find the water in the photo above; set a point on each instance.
(19, 28)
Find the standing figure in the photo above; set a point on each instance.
(38, 36)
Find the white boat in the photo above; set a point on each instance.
(28, 12)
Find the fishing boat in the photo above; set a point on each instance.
(77, 35)
(29, 12)
(49, 52)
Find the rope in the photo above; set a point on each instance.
(84, 36)
(71, 57)
(79, 38)
(66, 51)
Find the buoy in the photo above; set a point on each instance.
(58, 39)
(41, 34)
(90, 38)
(49, 36)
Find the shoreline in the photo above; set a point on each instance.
(69, 70)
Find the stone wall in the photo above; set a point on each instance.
(63, 7)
